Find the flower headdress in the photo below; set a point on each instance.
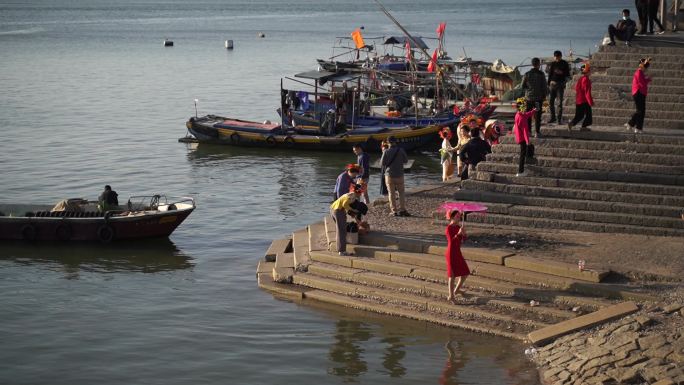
(644, 62)
(585, 68)
(521, 104)
(445, 133)
(352, 167)
(470, 117)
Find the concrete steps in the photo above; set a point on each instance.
(405, 277)
(625, 112)
(605, 63)
(622, 142)
(590, 164)
(628, 72)
(636, 188)
(506, 200)
(616, 133)
(545, 149)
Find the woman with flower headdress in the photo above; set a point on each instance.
(640, 83)
(345, 180)
(455, 263)
(463, 138)
(521, 129)
(446, 154)
(583, 100)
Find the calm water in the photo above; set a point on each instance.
(90, 97)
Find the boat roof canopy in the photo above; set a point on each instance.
(401, 40)
(324, 76)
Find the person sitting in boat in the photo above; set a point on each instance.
(108, 200)
(345, 180)
(391, 104)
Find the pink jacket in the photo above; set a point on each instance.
(640, 82)
(521, 129)
(583, 91)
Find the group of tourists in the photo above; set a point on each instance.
(475, 140)
(351, 189)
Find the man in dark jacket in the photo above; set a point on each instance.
(624, 30)
(475, 151)
(559, 73)
(392, 161)
(536, 89)
(109, 199)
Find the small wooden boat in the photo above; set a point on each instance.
(81, 220)
(222, 130)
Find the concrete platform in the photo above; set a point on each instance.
(596, 318)
(278, 246)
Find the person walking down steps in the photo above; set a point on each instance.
(640, 82)
(455, 263)
(559, 73)
(583, 101)
(521, 129)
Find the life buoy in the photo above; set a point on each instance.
(63, 232)
(289, 141)
(105, 233)
(271, 141)
(29, 232)
(235, 138)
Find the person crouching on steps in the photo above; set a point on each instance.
(338, 211)
(455, 263)
(521, 130)
(583, 100)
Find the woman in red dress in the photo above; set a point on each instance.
(456, 265)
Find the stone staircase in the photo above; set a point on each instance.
(612, 71)
(608, 179)
(585, 181)
(405, 277)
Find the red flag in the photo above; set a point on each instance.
(408, 51)
(433, 62)
(475, 77)
(440, 29)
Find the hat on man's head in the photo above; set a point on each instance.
(352, 167)
(392, 139)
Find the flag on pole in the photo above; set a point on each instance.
(440, 30)
(358, 39)
(433, 62)
(408, 52)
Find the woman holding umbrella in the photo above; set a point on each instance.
(455, 263)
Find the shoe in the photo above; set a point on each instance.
(538, 135)
(534, 135)
(649, 33)
(628, 44)
(629, 127)
(611, 43)
(394, 214)
(569, 126)
(660, 32)
(404, 213)
(524, 173)
(638, 131)
(344, 254)
(585, 129)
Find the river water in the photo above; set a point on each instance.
(90, 97)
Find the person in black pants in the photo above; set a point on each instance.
(536, 90)
(559, 73)
(640, 83)
(653, 6)
(642, 11)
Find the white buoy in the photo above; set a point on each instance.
(261, 34)
(168, 43)
(229, 44)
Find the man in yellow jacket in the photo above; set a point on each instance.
(339, 210)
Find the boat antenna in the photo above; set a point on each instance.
(196, 107)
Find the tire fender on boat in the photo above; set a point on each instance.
(289, 141)
(29, 232)
(235, 138)
(64, 231)
(271, 141)
(105, 233)
(171, 207)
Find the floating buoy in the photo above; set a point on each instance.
(168, 43)
(261, 34)
(229, 44)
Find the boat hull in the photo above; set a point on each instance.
(409, 138)
(104, 229)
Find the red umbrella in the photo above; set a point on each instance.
(464, 207)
